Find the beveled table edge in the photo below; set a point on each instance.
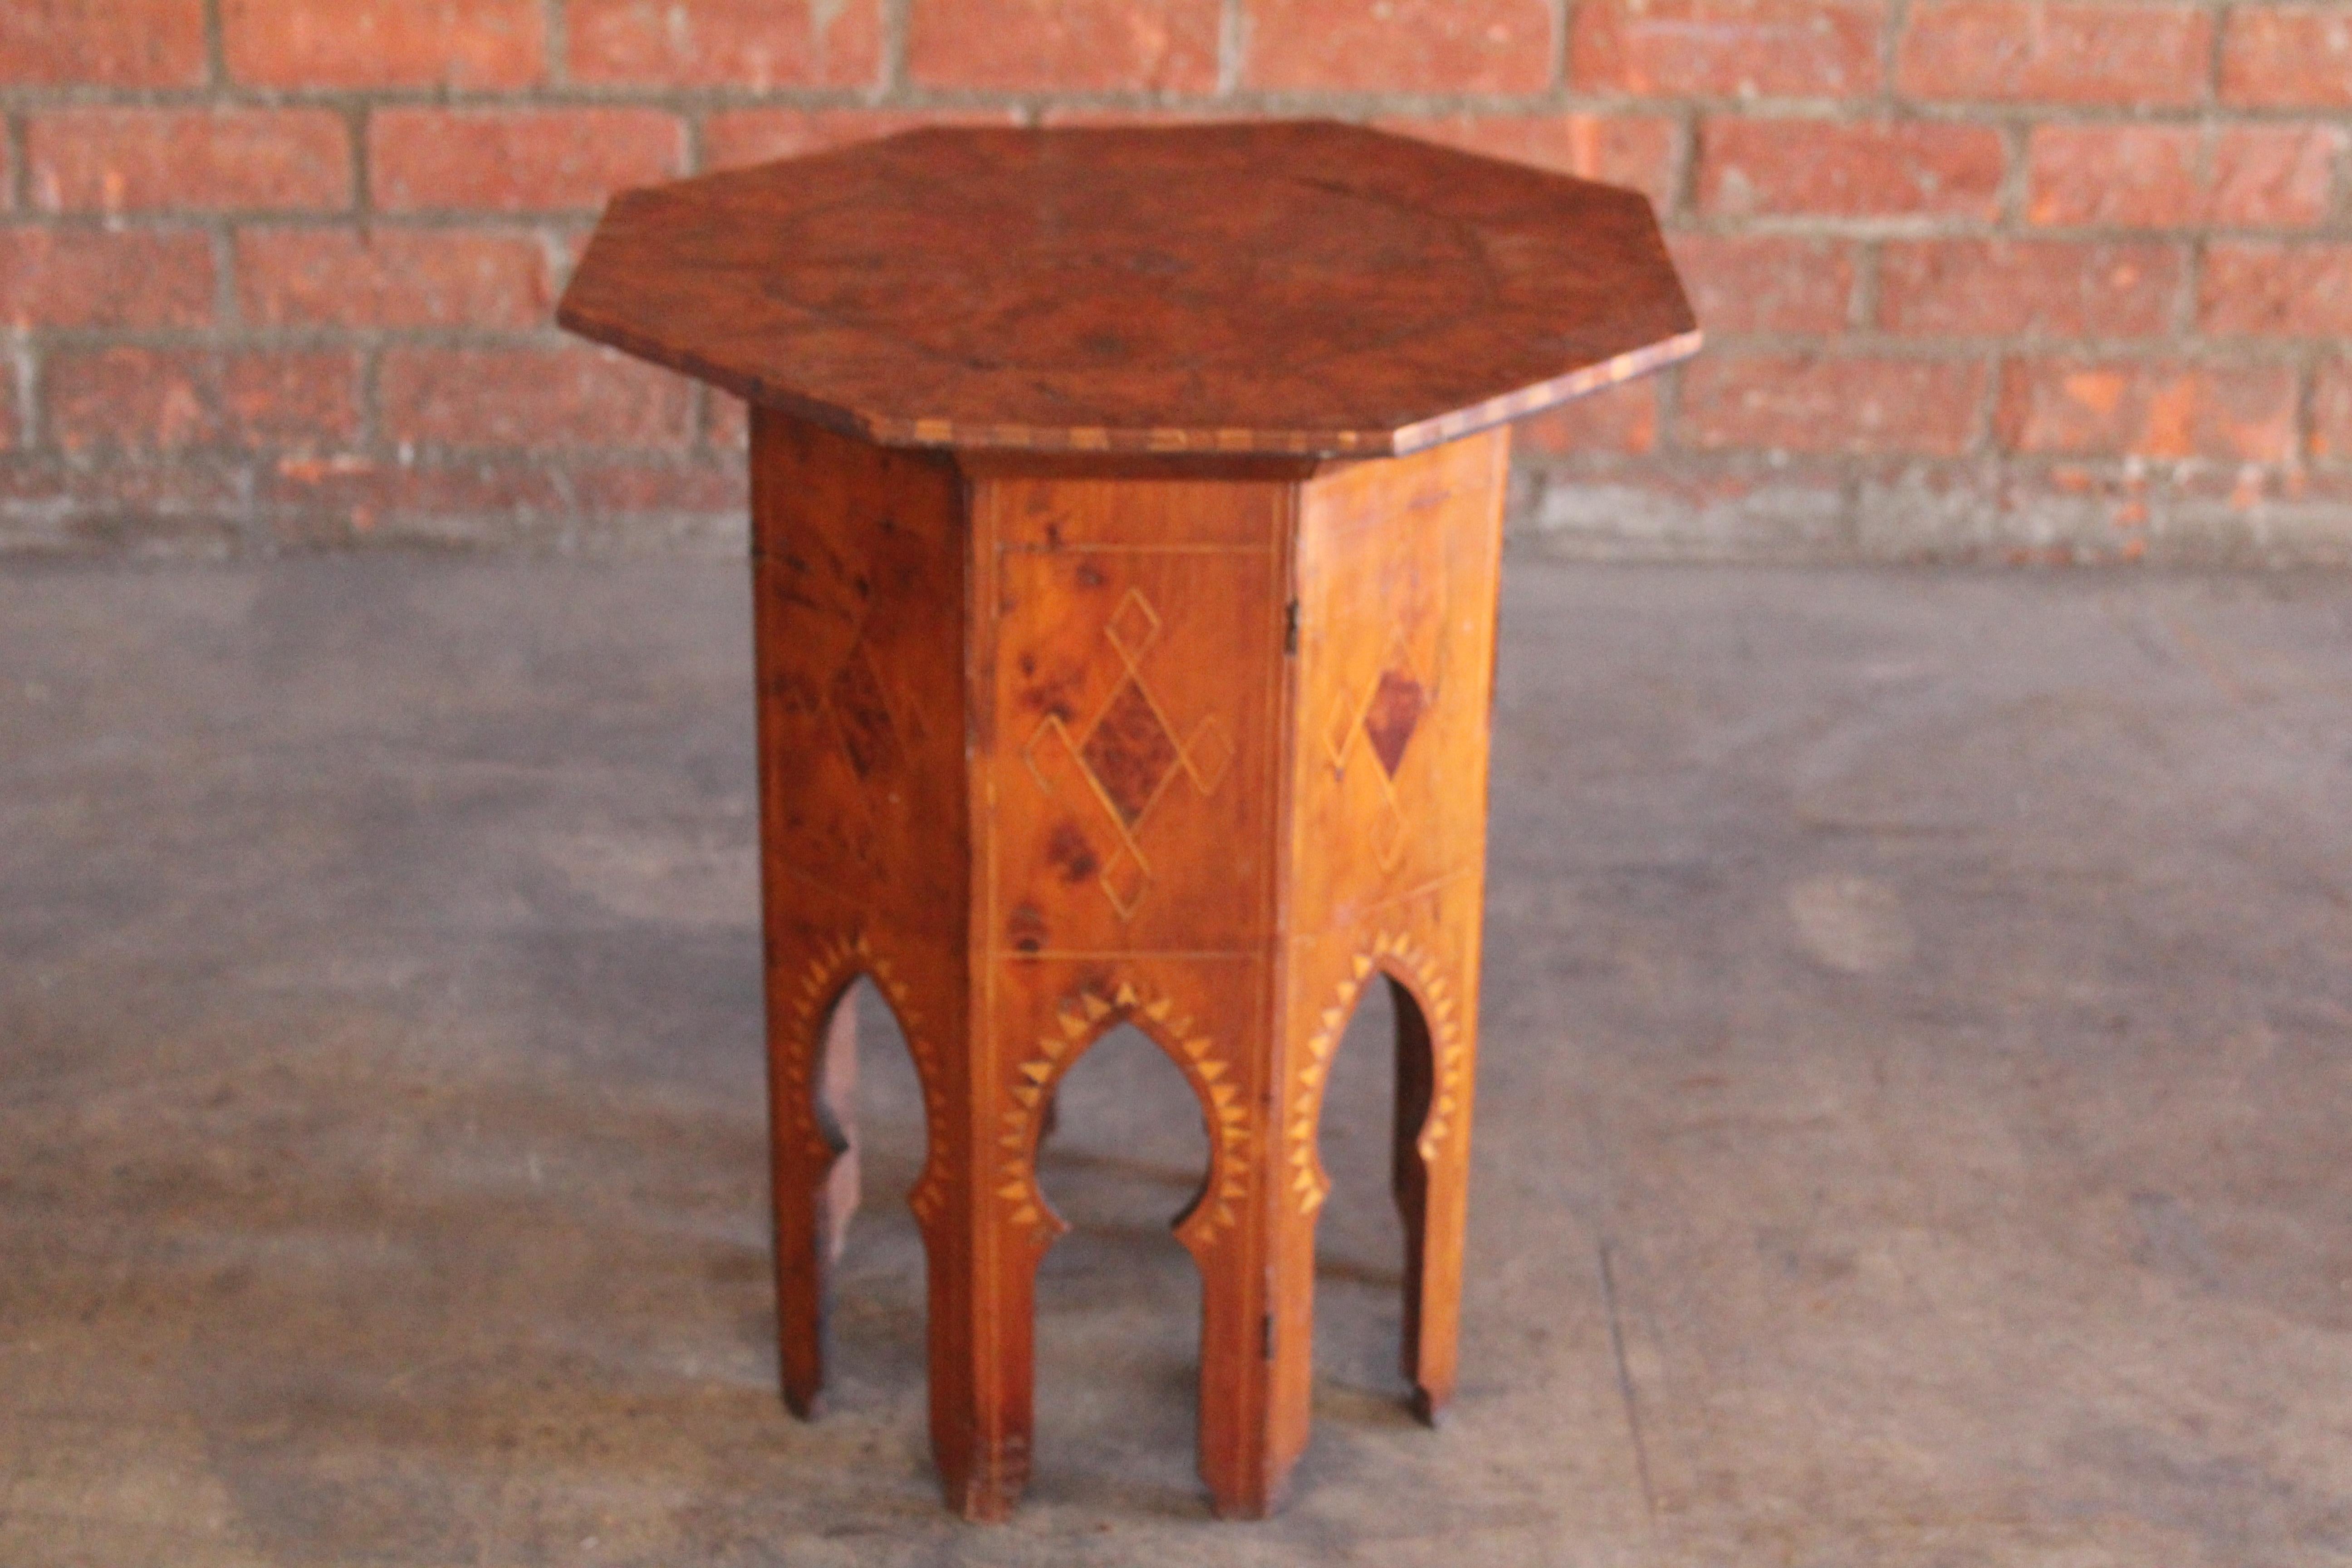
(1161, 440)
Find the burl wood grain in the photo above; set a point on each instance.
(1298, 287)
(1048, 748)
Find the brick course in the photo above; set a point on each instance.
(2040, 278)
(457, 278)
(2183, 176)
(1065, 46)
(120, 44)
(2151, 409)
(464, 44)
(2288, 57)
(2027, 288)
(2048, 52)
(755, 45)
(519, 160)
(1849, 169)
(137, 399)
(1397, 46)
(147, 159)
(1744, 48)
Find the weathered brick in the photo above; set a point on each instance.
(118, 43)
(1765, 283)
(95, 278)
(1072, 46)
(519, 160)
(2135, 175)
(470, 44)
(1619, 419)
(139, 399)
(753, 44)
(2016, 287)
(383, 276)
(2331, 412)
(1636, 150)
(2136, 408)
(133, 160)
(1405, 46)
(1841, 169)
(742, 136)
(2055, 52)
(1809, 402)
(2274, 176)
(2288, 55)
(1775, 48)
(2264, 288)
(2165, 176)
(530, 397)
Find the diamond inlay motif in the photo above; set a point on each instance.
(1130, 752)
(1127, 754)
(1396, 708)
(1133, 628)
(1385, 716)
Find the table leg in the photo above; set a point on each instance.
(983, 1308)
(1398, 564)
(1431, 1253)
(857, 587)
(1258, 1351)
(814, 1172)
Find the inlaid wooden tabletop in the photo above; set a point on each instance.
(1288, 286)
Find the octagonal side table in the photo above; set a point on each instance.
(1126, 522)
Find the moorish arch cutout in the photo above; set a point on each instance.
(1080, 1021)
(1418, 981)
(825, 984)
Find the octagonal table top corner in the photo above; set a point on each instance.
(1305, 288)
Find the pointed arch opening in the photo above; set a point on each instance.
(869, 1107)
(1377, 1099)
(1117, 1296)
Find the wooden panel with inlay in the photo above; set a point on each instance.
(1047, 748)
(1133, 678)
(859, 572)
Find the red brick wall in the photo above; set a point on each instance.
(2001, 277)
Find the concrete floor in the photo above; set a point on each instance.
(1917, 1078)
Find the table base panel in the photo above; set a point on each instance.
(1044, 752)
